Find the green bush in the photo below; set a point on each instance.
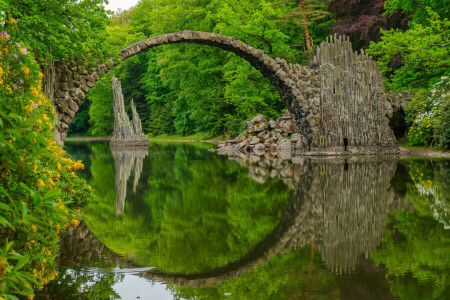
(417, 105)
(39, 191)
(429, 115)
(235, 126)
(442, 128)
(421, 133)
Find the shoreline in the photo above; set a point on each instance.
(405, 152)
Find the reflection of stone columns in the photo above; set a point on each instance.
(355, 198)
(346, 206)
(126, 161)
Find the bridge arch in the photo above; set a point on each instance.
(339, 105)
(68, 89)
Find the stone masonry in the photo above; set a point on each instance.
(339, 102)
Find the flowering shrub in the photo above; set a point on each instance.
(422, 129)
(39, 191)
(421, 133)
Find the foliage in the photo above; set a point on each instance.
(59, 29)
(419, 103)
(38, 189)
(423, 50)
(414, 251)
(419, 10)
(80, 123)
(173, 222)
(81, 284)
(362, 20)
(187, 89)
(428, 190)
(101, 110)
(442, 125)
(307, 14)
(288, 276)
(421, 131)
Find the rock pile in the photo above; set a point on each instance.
(280, 137)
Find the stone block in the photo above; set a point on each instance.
(259, 149)
(72, 105)
(85, 88)
(255, 140)
(71, 113)
(64, 86)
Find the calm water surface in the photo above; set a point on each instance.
(179, 222)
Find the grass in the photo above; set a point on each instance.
(422, 148)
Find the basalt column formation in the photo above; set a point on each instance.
(126, 133)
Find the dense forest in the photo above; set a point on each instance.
(194, 89)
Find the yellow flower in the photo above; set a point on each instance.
(33, 227)
(40, 182)
(12, 21)
(25, 70)
(78, 165)
(34, 92)
(74, 222)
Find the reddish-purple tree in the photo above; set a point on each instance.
(363, 19)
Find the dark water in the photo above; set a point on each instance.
(180, 222)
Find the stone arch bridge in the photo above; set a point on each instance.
(339, 102)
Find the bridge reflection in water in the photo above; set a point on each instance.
(338, 207)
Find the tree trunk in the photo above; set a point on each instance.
(309, 42)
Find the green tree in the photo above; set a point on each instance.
(423, 50)
(56, 29)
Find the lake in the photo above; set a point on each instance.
(177, 221)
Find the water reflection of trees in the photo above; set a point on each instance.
(192, 211)
(338, 207)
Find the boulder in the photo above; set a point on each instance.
(255, 140)
(289, 126)
(259, 149)
(258, 127)
(299, 145)
(295, 137)
(272, 124)
(284, 145)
